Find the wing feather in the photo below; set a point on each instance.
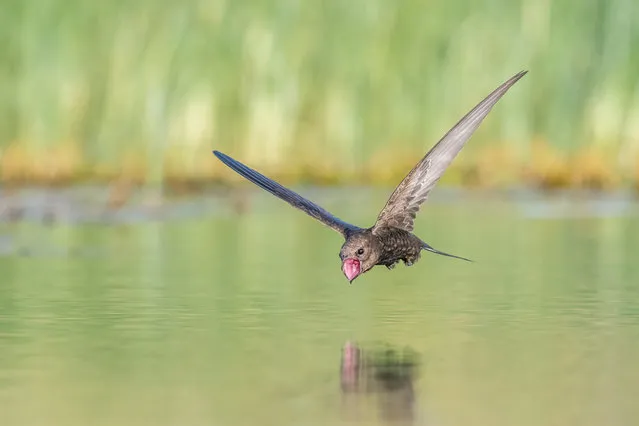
(287, 195)
(404, 203)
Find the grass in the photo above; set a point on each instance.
(327, 92)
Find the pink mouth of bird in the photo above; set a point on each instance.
(351, 268)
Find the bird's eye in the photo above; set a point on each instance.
(360, 252)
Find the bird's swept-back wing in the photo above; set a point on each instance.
(402, 206)
(287, 195)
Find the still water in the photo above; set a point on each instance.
(223, 318)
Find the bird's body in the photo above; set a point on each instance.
(392, 245)
(391, 239)
(397, 245)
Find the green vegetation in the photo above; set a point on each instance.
(327, 91)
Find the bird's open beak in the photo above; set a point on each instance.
(351, 268)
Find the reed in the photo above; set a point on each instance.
(327, 92)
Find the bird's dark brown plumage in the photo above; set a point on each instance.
(390, 239)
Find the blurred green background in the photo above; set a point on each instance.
(321, 91)
(128, 305)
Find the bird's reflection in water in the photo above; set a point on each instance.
(384, 375)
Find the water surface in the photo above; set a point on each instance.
(222, 318)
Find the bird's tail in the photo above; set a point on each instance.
(432, 250)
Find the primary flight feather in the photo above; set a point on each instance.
(390, 239)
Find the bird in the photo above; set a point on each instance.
(391, 238)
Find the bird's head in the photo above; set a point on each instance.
(359, 253)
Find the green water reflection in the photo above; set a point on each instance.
(247, 320)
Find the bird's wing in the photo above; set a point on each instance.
(287, 195)
(404, 203)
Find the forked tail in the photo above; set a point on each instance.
(432, 250)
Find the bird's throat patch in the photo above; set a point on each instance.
(351, 268)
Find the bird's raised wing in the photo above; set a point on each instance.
(404, 203)
(287, 195)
